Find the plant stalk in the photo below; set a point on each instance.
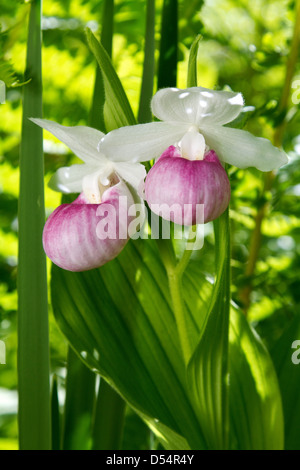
(180, 313)
(33, 340)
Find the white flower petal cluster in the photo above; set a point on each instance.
(192, 119)
(97, 168)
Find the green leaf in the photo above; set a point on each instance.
(208, 367)
(241, 398)
(117, 110)
(96, 118)
(286, 359)
(131, 337)
(255, 400)
(192, 65)
(33, 340)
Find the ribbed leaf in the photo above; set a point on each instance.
(131, 339)
(248, 384)
(192, 65)
(117, 110)
(96, 115)
(208, 368)
(255, 401)
(129, 336)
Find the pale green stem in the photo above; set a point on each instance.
(184, 261)
(33, 341)
(174, 277)
(180, 313)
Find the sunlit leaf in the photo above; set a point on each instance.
(192, 65)
(255, 400)
(117, 110)
(208, 368)
(129, 337)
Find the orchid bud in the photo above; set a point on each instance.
(175, 187)
(82, 236)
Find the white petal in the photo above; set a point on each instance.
(69, 179)
(196, 105)
(91, 188)
(192, 145)
(94, 184)
(81, 140)
(242, 149)
(132, 173)
(142, 142)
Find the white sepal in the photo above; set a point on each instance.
(192, 145)
(242, 149)
(142, 142)
(68, 179)
(132, 173)
(197, 105)
(81, 140)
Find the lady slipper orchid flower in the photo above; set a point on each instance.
(187, 173)
(94, 228)
(98, 166)
(187, 192)
(193, 120)
(74, 236)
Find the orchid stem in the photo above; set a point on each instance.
(184, 261)
(192, 64)
(180, 314)
(175, 282)
(174, 272)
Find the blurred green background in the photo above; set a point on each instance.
(245, 47)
